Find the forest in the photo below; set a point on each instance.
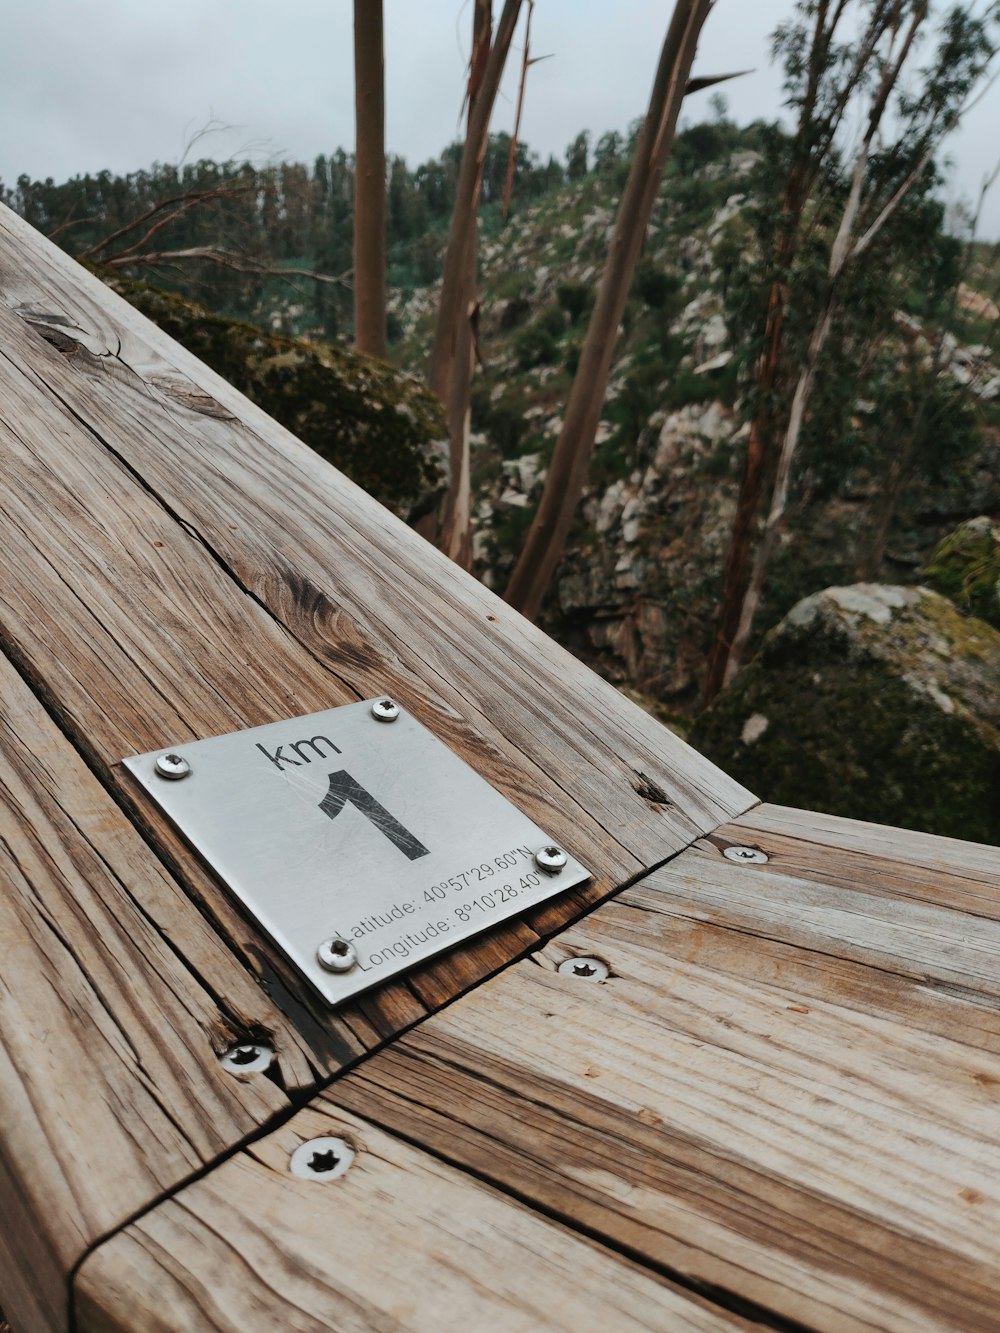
(753, 469)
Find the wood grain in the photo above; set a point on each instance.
(279, 588)
(402, 1241)
(363, 591)
(899, 862)
(751, 1101)
(135, 638)
(114, 1001)
(177, 566)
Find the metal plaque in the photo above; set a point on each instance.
(356, 838)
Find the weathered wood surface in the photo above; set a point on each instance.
(110, 1089)
(176, 566)
(402, 1241)
(758, 1101)
(785, 1099)
(344, 601)
(945, 871)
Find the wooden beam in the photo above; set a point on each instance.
(360, 602)
(115, 1001)
(177, 566)
(785, 1091)
(402, 1241)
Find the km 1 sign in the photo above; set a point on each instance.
(356, 838)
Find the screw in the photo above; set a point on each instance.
(321, 1159)
(337, 955)
(172, 766)
(551, 859)
(590, 968)
(744, 854)
(247, 1057)
(385, 710)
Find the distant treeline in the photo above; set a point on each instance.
(257, 219)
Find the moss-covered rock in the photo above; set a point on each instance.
(965, 567)
(373, 422)
(875, 702)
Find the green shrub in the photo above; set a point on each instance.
(535, 345)
(575, 298)
(655, 286)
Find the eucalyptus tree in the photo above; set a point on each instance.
(369, 179)
(835, 78)
(570, 463)
(452, 354)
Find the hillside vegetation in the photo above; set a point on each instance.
(910, 372)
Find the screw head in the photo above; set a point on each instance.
(337, 955)
(590, 969)
(385, 710)
(551, 859)
(172, 766)
(323, 1159)
(744, 854)
(247, 1057)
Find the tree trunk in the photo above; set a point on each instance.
(762, 428)
(742, 594)
(452, 306)
(526, 63)
(453, 353)
(455, 534)
(779, 497)
(369, 179)
(571, 459)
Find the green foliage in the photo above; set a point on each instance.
(283, 214)
(536, 344)
(576, 156)
(654, 285)
(965, 567)
(686, 387)
(502, 419)
(576, 298)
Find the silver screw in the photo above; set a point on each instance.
(385, 710)
(590, 968)
(337, 955)
(321, 1159)
(744, 854)
(247, 1057)
(172, 766)
(551, 859)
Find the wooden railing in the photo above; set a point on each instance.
(778, 1106)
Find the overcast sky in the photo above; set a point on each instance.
(120, 84)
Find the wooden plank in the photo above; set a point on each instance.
(359, 587)
(903, 862)
(749, 1102)
(128, 629)
(174, 572)
(172, 648)
(115, 999)
(402, 1241)
(266, 516)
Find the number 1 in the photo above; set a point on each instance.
(345, 790)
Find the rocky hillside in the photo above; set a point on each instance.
(638, 589)
(851, 627)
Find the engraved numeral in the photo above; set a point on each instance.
(345, 790)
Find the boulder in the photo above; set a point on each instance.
(380, 426)
(965, 568)
(879, 703)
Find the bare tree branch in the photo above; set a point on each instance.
(526, 63)
(225, 259)
(194, 196)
